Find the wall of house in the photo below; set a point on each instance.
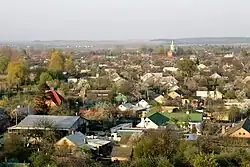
(241, 133)
(149, 124)
(78, 124)
(119, 159)
(65, 142)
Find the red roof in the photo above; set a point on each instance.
(55, 97)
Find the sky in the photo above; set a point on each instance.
(122, 19)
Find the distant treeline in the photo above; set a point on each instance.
(209, 41)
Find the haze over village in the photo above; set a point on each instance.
(124, 84)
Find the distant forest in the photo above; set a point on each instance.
(209, 41)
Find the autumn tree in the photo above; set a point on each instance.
(16, 72)
(56, 61)
(4, 61)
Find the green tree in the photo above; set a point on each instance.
(233, 113)
(41, 101)
(56, 61)
(187, 67)
(44, 77)
(230, 95)
(68, 65)
(13, 145)
(4, 61)
(202, 160)
(156, 143)
(164, 162)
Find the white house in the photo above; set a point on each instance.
(72, 80)
(201, 66)
(126, 106)
(143, 104)
(169, 80)
(147, 123)
(215, 76)
(211, 94)
(171, 69)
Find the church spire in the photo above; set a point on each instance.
(172, 48)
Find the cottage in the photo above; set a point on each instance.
(240, 130)
(160, 99)
(154, 120)
(73, 142)
(131, 107)
(143, 104)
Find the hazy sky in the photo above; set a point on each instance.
(122, 19)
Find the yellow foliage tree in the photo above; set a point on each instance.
(16, 72)
(56, 61)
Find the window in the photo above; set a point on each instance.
(239, 133)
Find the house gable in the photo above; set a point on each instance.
(241, 133)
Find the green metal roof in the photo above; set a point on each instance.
(158, 118)
(182, 117)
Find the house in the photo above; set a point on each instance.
(209, 94)
(155, 76)
(72, 80)
(98, 94)
(174, 95)
(240, 130)
(73, 142)
(104, 147)
(215, 76)
(201, 67)
(131, 107)
(169, 81)
(143, 104)
(66, 124)
(170, 108)
(160, 99)
(154, 120)
(126, 107)
(55, 99)
(120, 127)
(171, 69)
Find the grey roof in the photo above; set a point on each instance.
(78, 138)
(128, 105)
(26, 111)
(3, 114)
(58, 122)
(99, 141)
